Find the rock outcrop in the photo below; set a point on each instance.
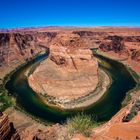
(19, 47)
(22, 46)
(112, 43)
(124, 48)
(69, 73)
(7, 130)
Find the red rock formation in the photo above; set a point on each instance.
(117, 129)
(69, 73)
(112, 43)
(7, 131)
(128, 50)
(22, 46)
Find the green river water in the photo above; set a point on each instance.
(102, 110)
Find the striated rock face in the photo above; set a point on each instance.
(135, 55)
(7, 130)
(133, 45)
(123, 45)
(91, 38)
(112, 43)
(15, 47)
(125, 48)
(69, 73)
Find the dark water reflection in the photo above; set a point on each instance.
(104, 109)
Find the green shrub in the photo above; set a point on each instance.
(81, 123)
(133, 112)
(5, 100)
(126, 100)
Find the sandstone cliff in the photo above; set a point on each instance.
(123, 48)
(7, 130)
(17, 48)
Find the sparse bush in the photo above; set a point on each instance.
(133, 112)
(5, 100)
(81, 123)
(126, 100)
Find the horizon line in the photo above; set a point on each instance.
(69, 26)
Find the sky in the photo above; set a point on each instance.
(34, 13)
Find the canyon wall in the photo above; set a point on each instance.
(20, 45)
(17, 48)
(123, 48)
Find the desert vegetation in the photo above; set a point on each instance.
(5, 100)
(133, 112)
(81, 123)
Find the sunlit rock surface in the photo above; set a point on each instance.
(69, 72)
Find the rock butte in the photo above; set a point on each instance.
(65, 74)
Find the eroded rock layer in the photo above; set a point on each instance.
(69, 73)
(124, 48)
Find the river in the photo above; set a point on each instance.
(102, 110)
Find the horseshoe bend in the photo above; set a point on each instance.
(65, 75)
(53, 73)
